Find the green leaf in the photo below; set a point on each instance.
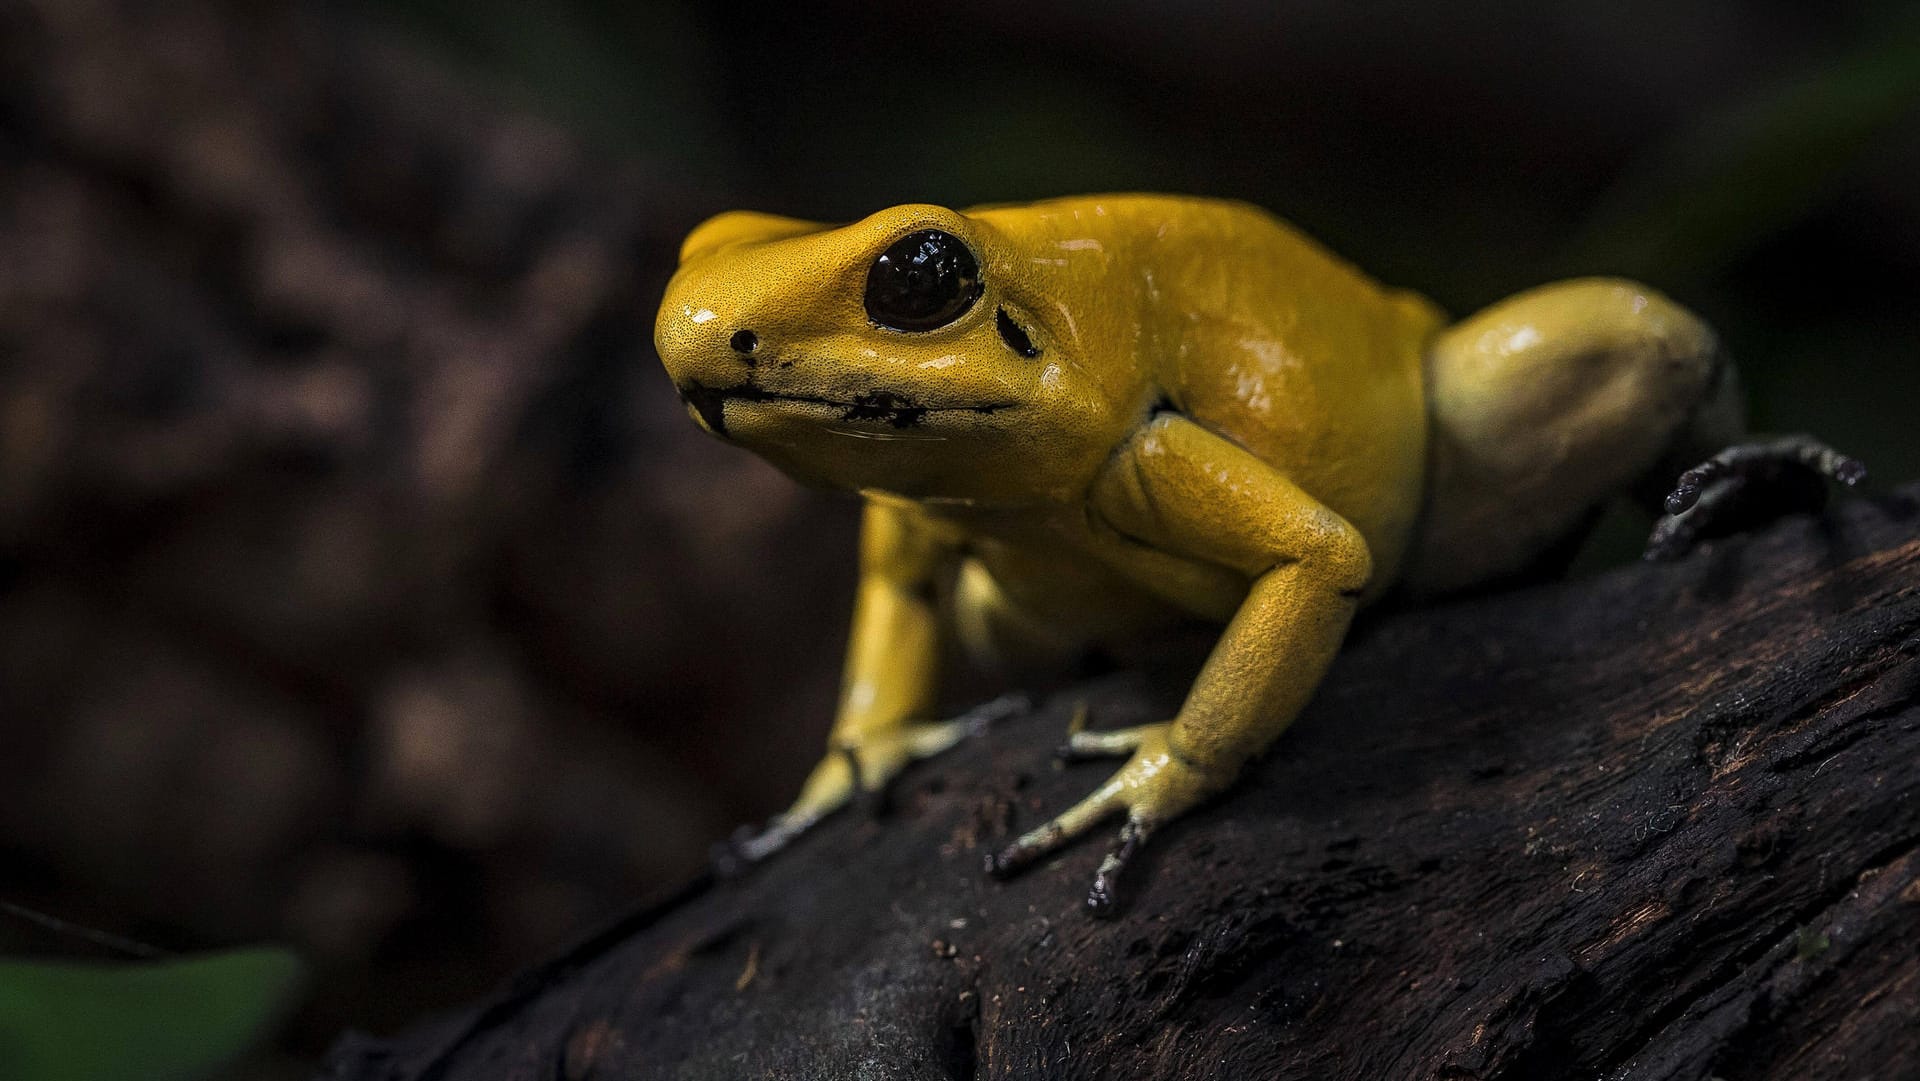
(149, 1021)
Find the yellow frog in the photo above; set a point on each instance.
(1077, 420)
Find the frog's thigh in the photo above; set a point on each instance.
(1548, 403)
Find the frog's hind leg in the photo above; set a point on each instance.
(1548, 404)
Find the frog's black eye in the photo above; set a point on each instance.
(924, 281)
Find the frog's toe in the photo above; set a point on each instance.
(749, 846)
(1082, 744)
(861, 771)
(1036, 843)
(930, 738)
(876, 764)
(1747, 485)
(1103, 900)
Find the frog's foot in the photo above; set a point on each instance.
(1748, 484)
(1153, 788)
(865, 768)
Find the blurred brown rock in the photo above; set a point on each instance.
(355, 559)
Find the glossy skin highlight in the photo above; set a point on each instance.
(1160, 408)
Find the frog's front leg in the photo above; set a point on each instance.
(1182, 490)
(891, 676)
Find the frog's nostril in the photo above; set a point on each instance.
(744, 341)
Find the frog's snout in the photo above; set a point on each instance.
(700, 345)
(710, 359)
(709, 402)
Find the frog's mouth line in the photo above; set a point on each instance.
(875, 405)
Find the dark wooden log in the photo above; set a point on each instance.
(1664, 823)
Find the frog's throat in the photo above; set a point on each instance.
(885, 406)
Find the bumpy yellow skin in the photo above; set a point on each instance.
(1223, 420)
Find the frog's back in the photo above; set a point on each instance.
(1257, 332)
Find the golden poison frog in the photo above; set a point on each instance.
(1077, 420)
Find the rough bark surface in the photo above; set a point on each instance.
(1661, 824)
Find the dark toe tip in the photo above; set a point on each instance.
(1101, 903)
(997, 865)
(1850, 472)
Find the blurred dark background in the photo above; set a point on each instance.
(364, 587)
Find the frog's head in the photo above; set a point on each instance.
(919, 351)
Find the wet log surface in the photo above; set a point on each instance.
(1660, 824)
